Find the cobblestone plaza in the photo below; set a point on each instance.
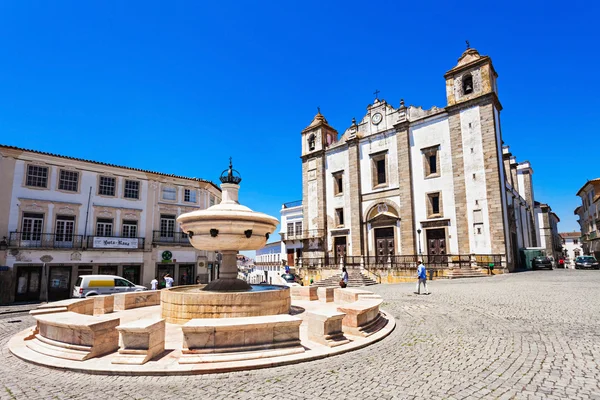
(527, 335)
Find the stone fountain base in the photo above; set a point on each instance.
(181, 304)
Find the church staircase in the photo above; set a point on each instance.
(466, 273)
(355, 279)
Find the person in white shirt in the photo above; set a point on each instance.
(154, 283)
(168, 281)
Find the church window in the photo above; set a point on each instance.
(431, 162)
(467, 84)
(434, 205)
(379, 169)
(338, 183)
(339, 216)
(311, 142)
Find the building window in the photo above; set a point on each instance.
(298, 228)
(431, 162)
(106, 186)
(37, 176)
(132, 189)
(32, 226)
(434, 205)
(311, 142)
(467, 84)
(339, 216)
(189, 196)
(379, 169)
(104, 227)
(575, 241)
(129, 229)
(169, 193)
(167, 226)
(65, 225)
(290, 229)
(211, 201)
(338, 183)
(68, 181)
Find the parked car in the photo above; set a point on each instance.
(541, 262)
(93, 285)
(292, 278)
(584, 262)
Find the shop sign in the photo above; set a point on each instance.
(4, 268)
(115, 243)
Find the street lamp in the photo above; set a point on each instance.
(419, 233)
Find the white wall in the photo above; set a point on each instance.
(475, 180)
(87, 179)
(375, 144)
(427, 134)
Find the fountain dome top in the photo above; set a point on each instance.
(230, 175)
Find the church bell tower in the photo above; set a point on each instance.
(316, 137)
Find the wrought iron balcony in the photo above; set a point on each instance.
(167, 237)
(115, 242)
(45, 240)
(308, 234)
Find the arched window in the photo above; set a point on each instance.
(467, 84)
(311, 142)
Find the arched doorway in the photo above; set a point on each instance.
(382, 221)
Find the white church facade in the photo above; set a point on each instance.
(408, 181)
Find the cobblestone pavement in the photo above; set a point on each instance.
(530, 335)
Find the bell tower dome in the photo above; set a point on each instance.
(473, 76)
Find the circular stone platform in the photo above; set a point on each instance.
(167, 363)
(181, 304)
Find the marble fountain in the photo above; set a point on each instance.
(224, 326)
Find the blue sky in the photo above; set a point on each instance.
(180, 86)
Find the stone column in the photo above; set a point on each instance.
(356, 215)
(458, 172)
(495, 190)
(408, 244)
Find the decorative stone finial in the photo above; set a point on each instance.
(353, 121)
(468, 44)
(402, 103)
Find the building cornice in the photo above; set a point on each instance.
(483, 99)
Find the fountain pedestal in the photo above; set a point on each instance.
(228, 272)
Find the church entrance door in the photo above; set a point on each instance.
(384, 239)
(340, 249)
(436, 245)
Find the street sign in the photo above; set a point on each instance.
(4, 268)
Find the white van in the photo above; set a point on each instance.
(93, 285)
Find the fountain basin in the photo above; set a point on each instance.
(181, 304)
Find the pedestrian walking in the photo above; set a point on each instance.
(422, 277)
(168, 281)
(154, 283)
(344, 281)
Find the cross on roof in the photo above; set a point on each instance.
(376, 93)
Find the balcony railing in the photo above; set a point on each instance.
(180, 238)
(45, 240)
(115, 242)
(292, 204)
(308, 234)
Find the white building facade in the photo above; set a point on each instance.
(62, 217)
(571, 247)
(409, 181)
(292, 232)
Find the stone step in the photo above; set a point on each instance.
(355, 279)
(59, 352)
